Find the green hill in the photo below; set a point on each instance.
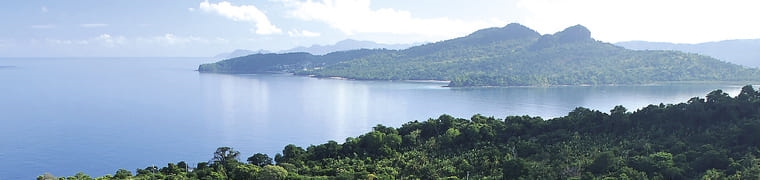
(288, 62)
(717, 137)
(513, 55)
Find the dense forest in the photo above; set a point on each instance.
(513, 55)
(716, 137)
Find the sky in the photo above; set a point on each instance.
(204, 28)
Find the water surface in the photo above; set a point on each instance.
(96, 115)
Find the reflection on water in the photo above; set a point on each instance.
(106, 114)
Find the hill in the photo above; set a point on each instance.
(716, 137)
(516, 55)
(744, 52)
(239, 53)
(345, 45)
(282, 63)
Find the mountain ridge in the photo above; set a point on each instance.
(739, 51)
(515, 55)
(343, 45)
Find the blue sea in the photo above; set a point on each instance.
(96, 115)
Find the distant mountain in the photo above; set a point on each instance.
(743, 52)
(513, 55)
(344, 45)
(238, 53)
(282, 63)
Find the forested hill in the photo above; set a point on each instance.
(717, 137)
(513, 55)
(287, 62)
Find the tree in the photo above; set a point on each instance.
(46, 176)
(80, 176)
(260, 159)
(603, 163)
(225, 154)
(122, 174)
(748, 94)
(245, 171)
(514, 168)
(292, 154)
(272, 172)
(718, 96)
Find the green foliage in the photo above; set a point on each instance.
(46, 176)
(712, 138)
(122, 174)
(225, 155)
(260, 159)
(270, 172)
(510, 56)
(278, 63)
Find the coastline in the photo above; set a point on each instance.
(736, 83)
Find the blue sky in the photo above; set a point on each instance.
(204, 28)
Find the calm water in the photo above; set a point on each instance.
(96, 115)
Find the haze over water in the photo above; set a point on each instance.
(96, 115)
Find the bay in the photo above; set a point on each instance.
(96, 115)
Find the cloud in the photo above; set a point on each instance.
(97, 25)
(356, 16)
(109, 41)
(248, 13)
(679, 21)
(66, 42)
(104, 39)
(43, 26)
(191, 9)
(170, 39)
(44, 9)
(302, 33)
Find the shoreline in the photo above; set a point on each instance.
(737, 83)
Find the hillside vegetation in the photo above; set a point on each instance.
(716, 137)
(513, 55)
(283, 63)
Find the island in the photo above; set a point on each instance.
(513, 55)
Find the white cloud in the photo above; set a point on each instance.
(191, 9)
(109, 41)
(681, 21)
(221, 40)
(170, 39)
(302, 33)
(44, 9)
(248, 13)
(356, 16)
(95, 25)
(43, 26)
(66, 42)
(104, 39)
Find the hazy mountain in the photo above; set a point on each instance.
(238, 53)
(344, 45)
(743, 52)
(513, 55)
(284, 62)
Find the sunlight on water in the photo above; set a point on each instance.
(98, 115)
